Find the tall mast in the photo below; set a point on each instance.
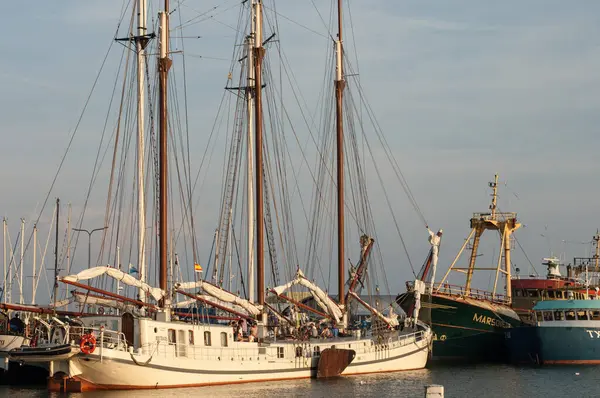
(5, 293)
(68, 239)
(21, 299)
(339, 90)
(596, 239)
(140, 43)
(33, 286)
(164, 63)
(55, 295)
(494, 187)
(250, 153)
(259, 52)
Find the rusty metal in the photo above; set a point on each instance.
(334, 361)
(360, 270)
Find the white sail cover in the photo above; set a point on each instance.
(184, 304)
(223, 295)
(392, 320)
(320, 296)
(60, 304)
(121, 276)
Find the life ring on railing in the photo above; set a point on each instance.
(87, 343)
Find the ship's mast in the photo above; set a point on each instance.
(55, 295)
(21, 298)
(339, 90)
(258, 55)
(164, 63)
(140, 44)
(250, 40)
(5, 292)
(506, 224)
(596, 240)
(33, 285)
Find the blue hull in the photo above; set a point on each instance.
(522, 345)
(569, 345)
(554, 345)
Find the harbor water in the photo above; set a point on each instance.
(459, 381)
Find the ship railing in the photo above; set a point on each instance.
(478, 294)
(105, 338)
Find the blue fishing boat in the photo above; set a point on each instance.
(565, 332)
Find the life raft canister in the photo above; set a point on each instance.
(87, 344)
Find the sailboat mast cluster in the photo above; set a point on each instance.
(146, 348)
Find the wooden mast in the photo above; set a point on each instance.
(164, 63)
(55, 295)
(259, 52)
(339, 89)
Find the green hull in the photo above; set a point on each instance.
(464, 329)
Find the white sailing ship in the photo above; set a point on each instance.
(151, 347)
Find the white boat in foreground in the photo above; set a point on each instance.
(177, 354)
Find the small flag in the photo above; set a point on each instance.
(197, 267)
(133, 270)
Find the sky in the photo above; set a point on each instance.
(462, 89)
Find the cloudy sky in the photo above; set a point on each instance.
(462, 89)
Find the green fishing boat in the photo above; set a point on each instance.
(468, 323)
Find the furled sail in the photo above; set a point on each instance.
(391, 320)
(60, 304)
(121, 276)
(220, 294)
(320, 296)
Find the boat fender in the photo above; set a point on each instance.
(87, 344)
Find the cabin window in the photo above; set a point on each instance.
(570, 315)
(172, 336)
(559, 316)
(191, 337)
(539, 316)
(532, 293)
(547, 316)
(582, 315)
(298, 352)
(595, 316)
(223, 339)
(207, 341)
(279, 352)
(551, 294)
(518, 293)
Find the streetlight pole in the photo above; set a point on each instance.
(89, 242)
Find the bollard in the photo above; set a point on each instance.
(434, 391)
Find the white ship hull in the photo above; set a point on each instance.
(170, 366)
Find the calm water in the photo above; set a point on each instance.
(464, 381)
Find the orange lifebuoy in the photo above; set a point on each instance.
(87, 344)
